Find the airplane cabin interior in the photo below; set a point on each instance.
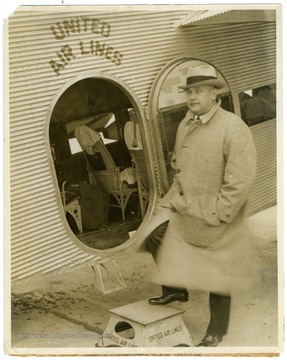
(103, 184)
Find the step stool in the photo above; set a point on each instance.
(143, 325)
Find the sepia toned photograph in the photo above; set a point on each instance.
(143, 180)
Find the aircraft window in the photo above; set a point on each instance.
(258, 105)
(104, 124)
(75, 147)
(109, 132)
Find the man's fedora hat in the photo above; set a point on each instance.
(202, 75)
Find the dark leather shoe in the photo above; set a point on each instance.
(210, 341)
(166, 299)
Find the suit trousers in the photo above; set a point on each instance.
(219, 304)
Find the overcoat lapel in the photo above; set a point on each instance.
(182, 131)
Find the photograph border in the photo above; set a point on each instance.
(238, 352)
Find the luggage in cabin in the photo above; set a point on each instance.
(95, 203)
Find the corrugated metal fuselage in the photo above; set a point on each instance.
(50, 51)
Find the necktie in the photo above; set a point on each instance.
(196, 119)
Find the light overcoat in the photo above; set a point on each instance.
(206, 245)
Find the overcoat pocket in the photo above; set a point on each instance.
(201, 223)
(201, 207)
(199, 233)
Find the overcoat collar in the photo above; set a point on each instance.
(190, 117)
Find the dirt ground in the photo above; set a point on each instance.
(56, 313)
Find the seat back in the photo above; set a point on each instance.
(101, 165)
(134, 144)
(140, 163)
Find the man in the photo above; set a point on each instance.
(203, 245)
